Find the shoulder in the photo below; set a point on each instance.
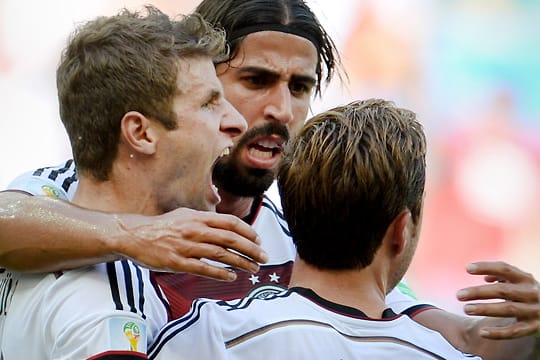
(403, 300)
(55, 181)
(427, 340)
(270, 215)
(218, 322)
(117, 287)
(273, 229)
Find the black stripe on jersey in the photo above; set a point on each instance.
(113, 281)
(140, 281)
(417, 309)
(38, 172)
(243, 303)
(174, 327)
(135, 299)
(280, 324)
(129, 286)
(69, 180)
(6, 293)
(54, 173)
(270, 206)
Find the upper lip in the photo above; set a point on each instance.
(270, 141)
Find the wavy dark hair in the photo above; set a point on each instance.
(235, 15)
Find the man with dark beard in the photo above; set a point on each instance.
(280, 56)
(250, 181)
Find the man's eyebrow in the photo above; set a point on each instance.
(213, 94)
(305, 78)
(258, 71)
(270, 73)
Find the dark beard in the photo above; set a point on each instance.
(231, 176)
(246, 182)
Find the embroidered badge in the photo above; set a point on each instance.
(127, 334)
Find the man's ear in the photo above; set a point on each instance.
(139, 133)
(400, 232)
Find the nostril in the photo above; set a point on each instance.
(233, 132)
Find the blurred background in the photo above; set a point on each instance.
(469, 68)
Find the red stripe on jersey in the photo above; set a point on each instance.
(119, 355)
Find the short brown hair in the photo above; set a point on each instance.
(347, 175)
(127, 62)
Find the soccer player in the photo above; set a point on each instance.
(352, 187)
(147, 120)
(280, 56)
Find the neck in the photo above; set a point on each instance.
(235, 205)
(360, 289)
(116, 195)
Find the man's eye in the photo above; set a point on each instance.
(255, 80)
(300, 88)
(211, 104)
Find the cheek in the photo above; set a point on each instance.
(247, 106)
(300, 116)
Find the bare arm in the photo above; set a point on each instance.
(42, 234)
(507, 328)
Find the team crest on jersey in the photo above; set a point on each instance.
(265, 291)
(126, 334)
(51, 191)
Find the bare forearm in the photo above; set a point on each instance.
(41, 234)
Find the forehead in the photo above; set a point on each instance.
(196, 75)
(283, 53)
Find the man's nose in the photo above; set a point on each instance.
(233, 123)
(279, 105)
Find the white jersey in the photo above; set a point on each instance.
(55, 181)
(92, 312)
(295, 324)
(181, 289)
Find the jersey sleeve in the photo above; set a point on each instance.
(194, 336)
(103, 312)
(56, 181)
(403, 300)
(114, 336)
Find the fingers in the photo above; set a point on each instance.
(178, 240)
(232, 223)
(527, 293)
(187, 256)
(226, 256)
(502, 309)
(226, 233)
(201, 268)
(225, 247)
(520, 295)
(507, 282)
(500, 271)
(516, 330)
